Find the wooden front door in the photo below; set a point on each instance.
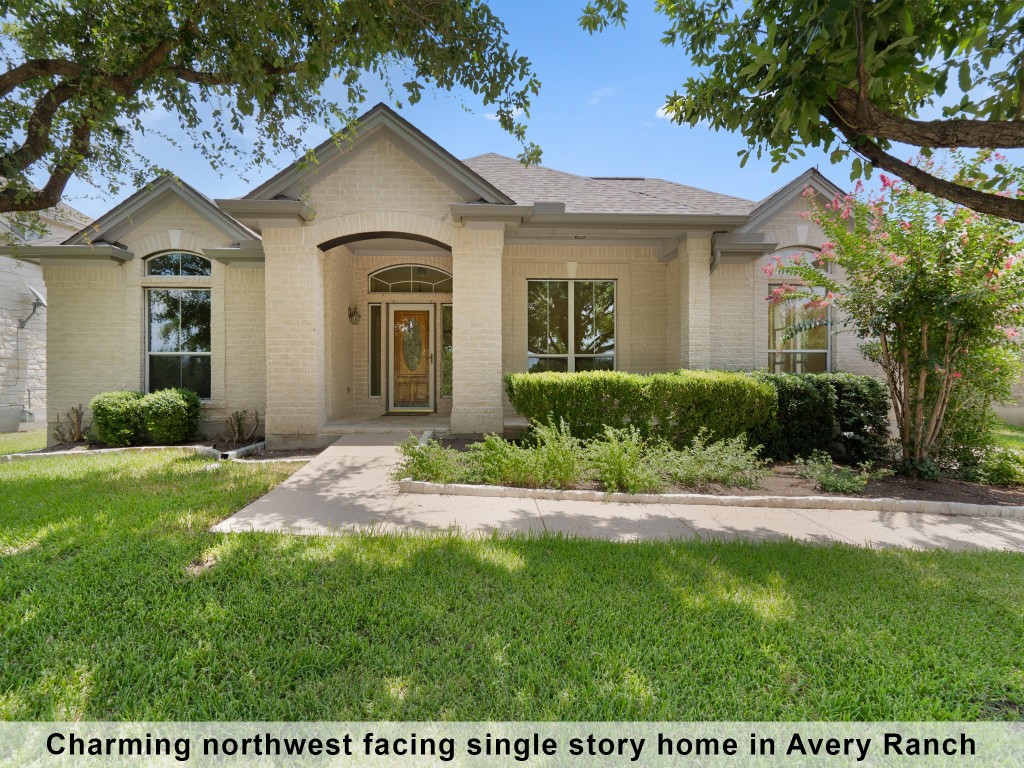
(412, 358)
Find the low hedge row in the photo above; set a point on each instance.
(791, 415)
(130, 418)
(843, 414)
(674, 407)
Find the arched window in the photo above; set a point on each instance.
(808, 350)
(178, 341)
(410, 278)
(178, 264)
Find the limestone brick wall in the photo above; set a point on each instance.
(736, 307)
(477, 333)
(695, 301)
(22, 350)
(295, 338)
(381, 178)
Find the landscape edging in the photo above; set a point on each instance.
(952, 508)
(202, 450)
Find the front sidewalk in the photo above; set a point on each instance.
(348, 488)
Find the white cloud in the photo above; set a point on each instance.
(662, 113)
(494, 115)
(601, 94)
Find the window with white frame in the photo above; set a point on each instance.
(570, 325)
(807, 350)
(178, 342)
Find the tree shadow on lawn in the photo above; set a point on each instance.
(122, 611)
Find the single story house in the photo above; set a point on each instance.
(386, 276)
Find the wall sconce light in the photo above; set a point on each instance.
(353, 315)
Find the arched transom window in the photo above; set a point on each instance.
(178, 264)
(410, 278)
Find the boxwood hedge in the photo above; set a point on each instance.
(117, 418)
(171, 415)
(671, 406)
(843, 414)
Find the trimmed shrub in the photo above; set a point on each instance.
(806, 418)
(117, 418)
(171, 415)
(842, 414)
(862, 414)
(673, 407)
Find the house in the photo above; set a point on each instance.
(23, 318)
(388, 277)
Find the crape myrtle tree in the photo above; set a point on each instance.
(935, 289)
(78, 78)
(853, 76)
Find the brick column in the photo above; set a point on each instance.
(476, 331)
(694, 271)
(295, 339)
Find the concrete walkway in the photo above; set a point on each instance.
(348, 488)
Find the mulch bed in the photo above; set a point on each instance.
(784, 482)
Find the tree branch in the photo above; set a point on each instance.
(36, 68)
(867, 119)
(37, 130)
(982, 202)
(67, 164)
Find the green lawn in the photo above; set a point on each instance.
(1010, 437)
(115, 602)
(20, 442)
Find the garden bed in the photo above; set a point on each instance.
(783, 480)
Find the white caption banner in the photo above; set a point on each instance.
(510, 744)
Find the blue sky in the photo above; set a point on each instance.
(596, 115)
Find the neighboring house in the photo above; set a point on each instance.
(390, 277)
(23, 344)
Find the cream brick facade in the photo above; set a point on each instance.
(96, 339)
(282, 338)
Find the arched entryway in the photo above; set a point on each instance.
(388, 324)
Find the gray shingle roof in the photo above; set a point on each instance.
(586, 194)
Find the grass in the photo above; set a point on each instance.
(1008, 436)
(117, 603)
(21, 442)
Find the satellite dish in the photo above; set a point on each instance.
(39, 297)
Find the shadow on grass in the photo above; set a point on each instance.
(125, 607)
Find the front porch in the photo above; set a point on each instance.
(403, 424)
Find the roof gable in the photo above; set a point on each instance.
(379, 123)
(124, 217)
(785, 194)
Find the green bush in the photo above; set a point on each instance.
(862, 414)
(842, 414)
(1002, 466)
(117, 418)
(832, 479)
(673, 407)
(171, 415)
(558, 456)
(496, 461)
(432, 463)
(622, 462)
(727, 462)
